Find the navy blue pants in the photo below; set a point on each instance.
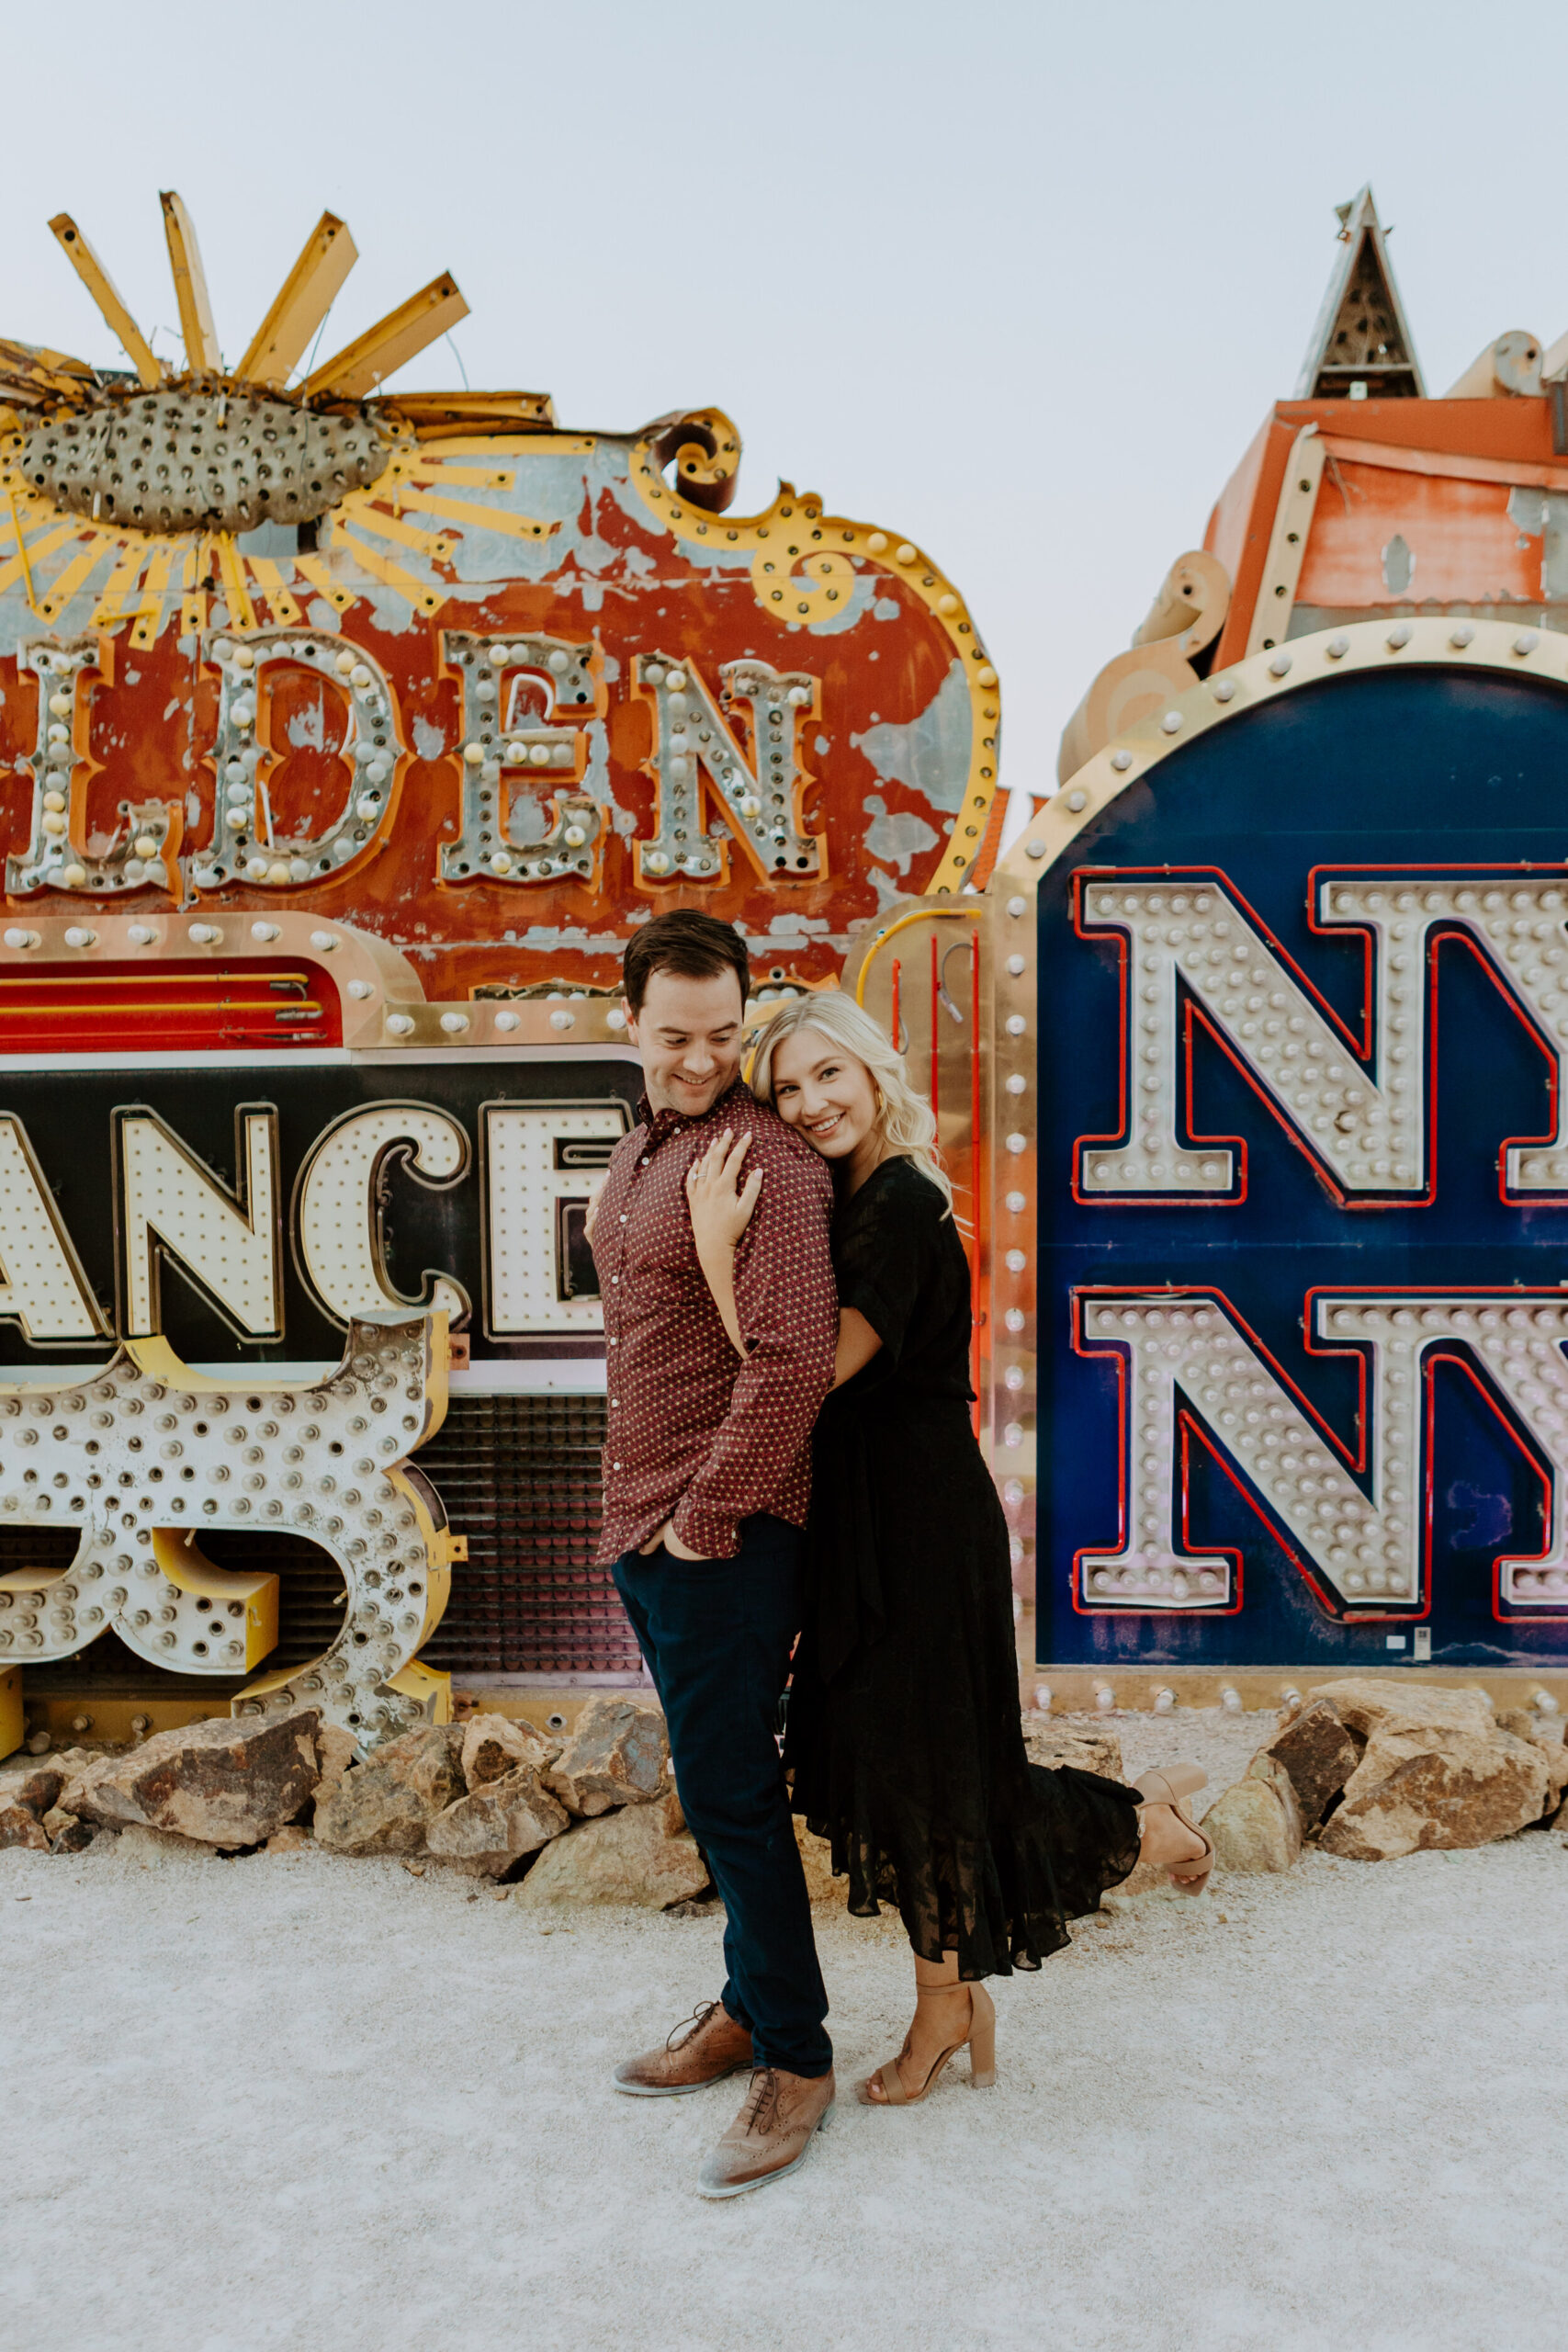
(717, 1636)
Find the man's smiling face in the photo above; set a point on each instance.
(689, 1038)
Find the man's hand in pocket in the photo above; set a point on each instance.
(671, 1543)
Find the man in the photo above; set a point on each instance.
(707, 1476)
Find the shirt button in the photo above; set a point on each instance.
(615, 1465)
(615, 1281)
(623, 1220)
(614, 1343)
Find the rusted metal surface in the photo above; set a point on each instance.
(1368, 497)
(202, 556)
(181, 460)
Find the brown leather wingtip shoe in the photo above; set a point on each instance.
(701, 2049)
(771, 2135)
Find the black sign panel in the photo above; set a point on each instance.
(518, 1197)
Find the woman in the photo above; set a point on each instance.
(904, 1735)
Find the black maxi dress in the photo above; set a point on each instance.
(903, 1735)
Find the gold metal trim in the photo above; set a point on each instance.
(1287, 542)
(794, 532)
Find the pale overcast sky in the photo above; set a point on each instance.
(1017, 281)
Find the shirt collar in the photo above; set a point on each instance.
(663, 1123)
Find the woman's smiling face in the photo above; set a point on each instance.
(825, 1092)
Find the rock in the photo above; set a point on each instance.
(817, 1858)
(1416, 1790)
(57, 1821)
(671, 1811)
(21, 1827)
(1367, 1705)
(385, 1806)
(229, 1782)
(615, 1756)
(622, 1856)
(26, 1793)
(1546, 1733)
(1251, 1828)
(1274, 1775)
(1317, 1753)
(494, 1745)
(79, 1781)
(336, 1751)
(1050, 1744)
(154, 1850)
(490, 1828)
(35, 1785)
(293, 1839)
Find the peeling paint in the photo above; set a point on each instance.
(596, 780)
(527, 819)
(900, 837)
(931, 755)
(1398, 565)
(1543, 514)
(307, 729)
(547, 939)
(594, 554)
(847, 616)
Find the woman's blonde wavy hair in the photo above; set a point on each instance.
(905, 1118)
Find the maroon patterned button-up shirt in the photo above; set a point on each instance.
(697, 1435)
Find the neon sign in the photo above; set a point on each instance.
(1303, 1167)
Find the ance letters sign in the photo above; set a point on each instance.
(249, 1214)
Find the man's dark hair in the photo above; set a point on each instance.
(694, 946)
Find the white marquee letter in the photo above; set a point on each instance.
(1363, 1121)
(246, 845)
(42, 1286)
(543, 1161)
(761, 799)
(172, 1206)
(56, 856)
(338, 1204)
(506, 744)
(1364, 1550)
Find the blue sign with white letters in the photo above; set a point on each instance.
(1304, 1216)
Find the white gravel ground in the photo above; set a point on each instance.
(299, 2102)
